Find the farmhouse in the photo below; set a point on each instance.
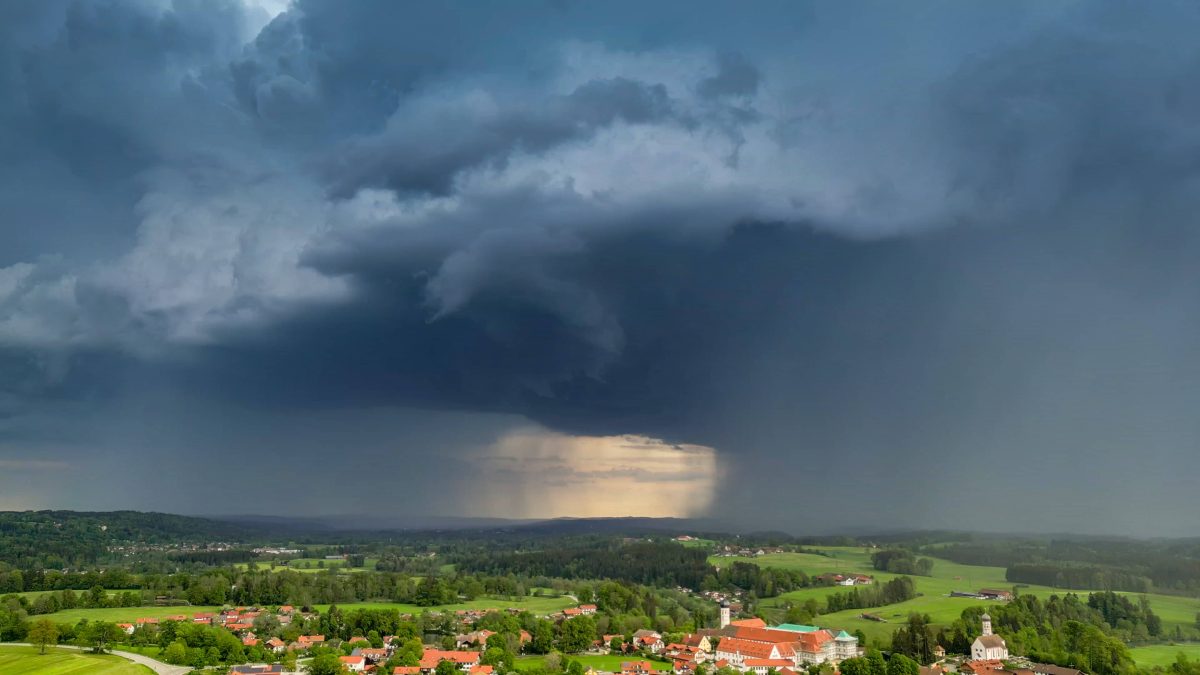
(988, 646)
(648, 640)
(995, 594)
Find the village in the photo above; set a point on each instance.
(735, 645)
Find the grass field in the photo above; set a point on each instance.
(934, 590)
(123, 614)
(27, 661)
(1163, 655)
(312, 566)
(536, 605)
(603, 662)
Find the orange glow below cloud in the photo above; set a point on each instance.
(539, 473)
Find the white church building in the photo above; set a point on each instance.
(988, 645)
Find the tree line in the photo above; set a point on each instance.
(650, 563)
(875, 595)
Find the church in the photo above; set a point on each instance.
(988, 645)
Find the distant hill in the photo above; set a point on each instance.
(56, 539)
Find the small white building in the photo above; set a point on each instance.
(988, 645)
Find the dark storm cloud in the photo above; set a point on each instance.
(737, 77)
(913, 243)
(422, 150)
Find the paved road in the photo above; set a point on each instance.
(157, 666)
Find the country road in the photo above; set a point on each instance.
(157, 666)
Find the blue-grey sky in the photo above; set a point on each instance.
(804, 265)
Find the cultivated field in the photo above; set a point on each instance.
(27, 661)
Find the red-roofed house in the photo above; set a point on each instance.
(637, 668)
(464, 660)
(749, 623)
(354, 664)
(648, 640)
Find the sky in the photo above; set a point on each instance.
(808, 266)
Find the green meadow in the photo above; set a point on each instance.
(1164, 655)
(933, 598)
(310, 566)
(27, 661)
(123, 614)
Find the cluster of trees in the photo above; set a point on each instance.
(1067, 630)
(17, 581)
(915, 639)
(875, 595)
(96, 597)
(1184, 666)
(762, 582)
(1076, 575)
(266, 587)
(874, 664)
(661, 564)
(901, 561)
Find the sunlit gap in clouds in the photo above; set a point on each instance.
(537, 473)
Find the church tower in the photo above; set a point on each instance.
(724, 613)
(987, 624)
